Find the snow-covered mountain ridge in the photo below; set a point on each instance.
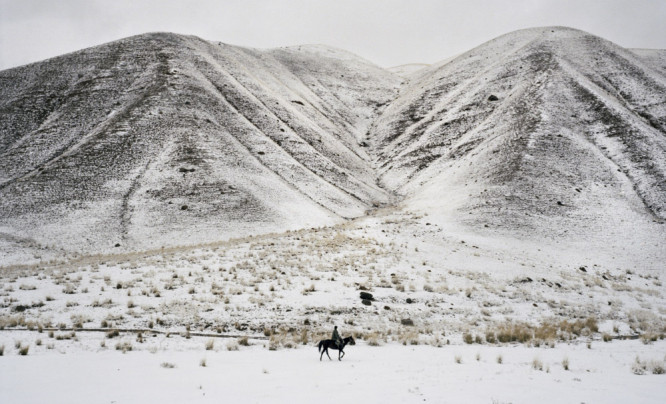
(164, 139)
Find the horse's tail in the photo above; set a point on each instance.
(320, 345)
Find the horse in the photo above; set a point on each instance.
(325, 344)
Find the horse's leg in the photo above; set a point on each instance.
(329, 356)
(322, 354)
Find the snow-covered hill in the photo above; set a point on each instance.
(164, 139)
(544, 131)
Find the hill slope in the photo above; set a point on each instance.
(162, 139)
(541, 131)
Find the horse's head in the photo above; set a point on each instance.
(351, 341)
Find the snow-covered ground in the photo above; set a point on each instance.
(602, 373)
(435, 290)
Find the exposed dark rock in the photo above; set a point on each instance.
(366, 296)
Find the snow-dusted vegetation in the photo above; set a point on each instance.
(489, 228)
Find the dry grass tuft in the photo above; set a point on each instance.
(537, 364)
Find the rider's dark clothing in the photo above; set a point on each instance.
(336, 337)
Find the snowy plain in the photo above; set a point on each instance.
(253, 309)
(391, 373)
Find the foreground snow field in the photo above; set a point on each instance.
(390, 373)
(432, 286)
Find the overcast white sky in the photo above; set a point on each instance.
(387, 32)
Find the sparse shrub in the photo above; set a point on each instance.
(232, 345)
(373, 339)
(69, 290)
(309, 289)
(305, 339)
(130, 304)
(649, 338)
(274, 342)
(565, 363)
(38, 342)
(2, 350)
(202, 363)
(468, 338)
(478, 356)
(167, 365)
(639, 367)
(17, 344)
(537, 364)
(210, 344)
(407, 322)
(458, 359)
(657, 368)
(591, 324)
(112, 333)
(24, 350)
(124, 346)
(243, 341)
(500, 360)
(607, 337)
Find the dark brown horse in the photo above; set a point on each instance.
(325, 344)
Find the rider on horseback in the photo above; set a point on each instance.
(336, 337)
